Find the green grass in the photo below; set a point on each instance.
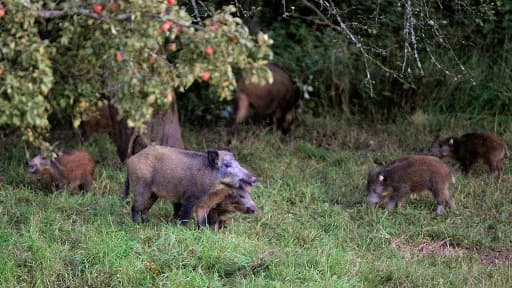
(314, 229)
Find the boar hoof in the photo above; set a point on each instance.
(440, 210)
(184, 222)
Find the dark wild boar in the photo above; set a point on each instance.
(471, 148)
(99, 122)
(185, 178)
(277, 100)
(74, 169)
(237, 200)
(409, 175)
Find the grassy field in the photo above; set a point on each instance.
(314, 229)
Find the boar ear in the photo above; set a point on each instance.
(213, 158)
(451, 141)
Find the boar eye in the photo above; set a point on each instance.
(227, 164)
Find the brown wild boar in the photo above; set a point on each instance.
(74, 169)
(237, 200)
(470, 148)
(99, 122)
(277, 100)
(185, 178)
(413, 174)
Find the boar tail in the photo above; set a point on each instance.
(126, 191)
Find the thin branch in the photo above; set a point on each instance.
(409, 33)
(341, 27)
(47, 13)
(196, 11)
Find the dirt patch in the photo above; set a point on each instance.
(494, 258)
(446, 249)
(443, 248)
(438, 248)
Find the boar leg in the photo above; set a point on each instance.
(392, 202)
(401, 201)
(499, 167)
(466, 165)
(213, 221)
(141, 195)
(186, 212)
(398, 197)
(288, 122)
(443, 197)
(149, 203)
(176, 211)
(241, 110)
(440, 208)
(495, 167)
(87, 184)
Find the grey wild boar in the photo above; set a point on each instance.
(236, 200)
(276, 100)
(74, 169)
(413, 174)
(471, 148)
(183, 177)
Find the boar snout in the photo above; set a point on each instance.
(251, 207)
(251, 210)
(32, 168)
(250, 179)
(245, 200)
(34, 163)
(435, 151)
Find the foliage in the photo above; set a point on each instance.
(65, 57)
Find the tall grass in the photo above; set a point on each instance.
(314, 229)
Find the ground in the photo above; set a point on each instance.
(314, 228)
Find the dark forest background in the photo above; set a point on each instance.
(380, 59)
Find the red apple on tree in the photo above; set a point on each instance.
(205, 76)
(97, 8)
(166, 26)
(214, 27)
(171, 2)
(209, 50)
(2, 11)
(119, 56)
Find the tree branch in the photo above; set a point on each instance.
(47, 13)
(342, 27)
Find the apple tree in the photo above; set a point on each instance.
(69, 57)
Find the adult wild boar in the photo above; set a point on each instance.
(185, 178)
(413, 174)
(471, 148)
(74, 169)
(236, 200)
(277, 100)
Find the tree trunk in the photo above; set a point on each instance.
(164, 129)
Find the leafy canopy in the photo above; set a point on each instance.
(70, 56)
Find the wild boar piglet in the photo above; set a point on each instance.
(413, 174)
